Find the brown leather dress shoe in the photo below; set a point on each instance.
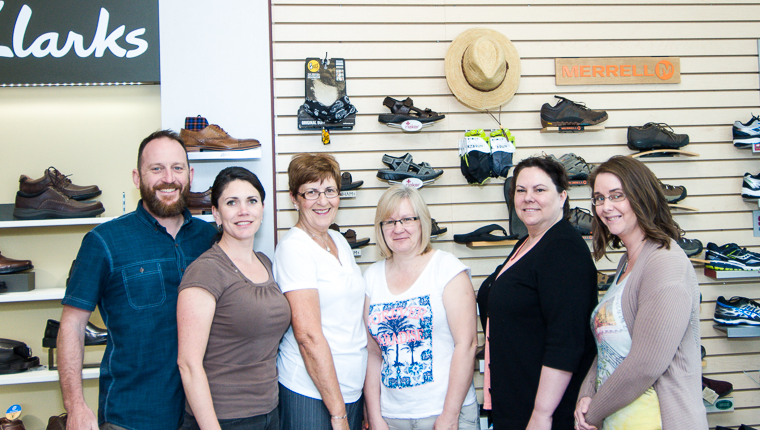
(55, 179)
(214, 138)
(9, 265)
(6, 424)
(52, 204)
(198, 202)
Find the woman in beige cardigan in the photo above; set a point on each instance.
(647, 372)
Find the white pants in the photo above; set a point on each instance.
(469, 419)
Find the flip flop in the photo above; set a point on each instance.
(483, 234)
(516, 226)
(405, 110)
(350, 236)
(347, 183)
(404, 168)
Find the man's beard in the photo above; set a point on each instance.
(159, 208)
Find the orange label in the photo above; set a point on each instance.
(617, 70)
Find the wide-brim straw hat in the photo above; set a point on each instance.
(482, 68)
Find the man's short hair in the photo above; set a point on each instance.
(157, 135)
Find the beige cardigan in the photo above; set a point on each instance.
(661, 308)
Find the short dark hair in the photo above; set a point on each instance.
(157, 135)
(310, 167)
(643, 191)
(553, 169)
(230, 174)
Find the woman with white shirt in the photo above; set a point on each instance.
(323, 355)
(420, 311)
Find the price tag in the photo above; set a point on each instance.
(13, 412)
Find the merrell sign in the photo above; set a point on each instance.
(73, 41)
(618, 70)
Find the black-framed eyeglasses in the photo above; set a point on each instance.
(391, 224)
(614, 198)
(330, 193)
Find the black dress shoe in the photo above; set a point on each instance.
(92, 335)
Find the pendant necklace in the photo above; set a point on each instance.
(326, 246)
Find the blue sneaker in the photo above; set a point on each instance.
(731, 257)
(746, 134)
(738, 310)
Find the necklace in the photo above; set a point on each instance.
(631, 258)
(326, 246)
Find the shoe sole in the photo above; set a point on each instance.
(746, 142)
(84, 196)
(648, 145)
(749, 193)
(567, 121)
(730, 266)
(398, 119)
(22, 213)
(216, 148)
(394, 176)
(735, 321)
(15, 269)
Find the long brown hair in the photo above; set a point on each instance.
(642, 190)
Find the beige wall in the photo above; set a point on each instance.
(396, 49)
(92, 134)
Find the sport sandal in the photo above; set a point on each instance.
(404, 167)
(483, 234)
(405, 110)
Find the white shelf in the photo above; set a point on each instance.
(739, 330)
(42, 375)
(34, 295)
(245, 154)
(8, 221)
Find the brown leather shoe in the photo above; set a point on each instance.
(199, 202)
(214, 138)
(9, 265)
(52, 204)
(55, 179)
(57, 422)
(6, 424)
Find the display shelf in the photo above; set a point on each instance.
(731, 274)
(245, 154)
(572, 128)
(207, 217)
(8, 221)
(34, 295)
(42, 375)
(739, 330)
(495, 243)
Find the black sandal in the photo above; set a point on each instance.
(404, 168)
(483, 234)
(405, 110)
(347, 182)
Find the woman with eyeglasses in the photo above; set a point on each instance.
(420, 311)
(647, 374)
(537, 305)
(323, 355)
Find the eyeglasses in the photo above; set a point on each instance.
(614, 198)
(391, 224)
(312, 194)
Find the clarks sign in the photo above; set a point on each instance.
(75, 41)
(619, 70)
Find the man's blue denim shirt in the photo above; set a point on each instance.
(130, 268)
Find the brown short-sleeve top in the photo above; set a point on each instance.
(249, 321)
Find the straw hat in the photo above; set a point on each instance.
(482, 68)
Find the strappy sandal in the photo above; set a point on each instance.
(350, 236)
(404, 167)
(435, 230)
(405, 110)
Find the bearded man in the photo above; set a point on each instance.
(130, 269)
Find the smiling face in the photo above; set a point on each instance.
(403, 239)
(618, 217)
(239, 212)
(539, 205)
(164, 178)
(316, 215)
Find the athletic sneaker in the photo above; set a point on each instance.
(576, 167)
(751, 186)
(731, 257)
(581, 219)
(568, 112)
(747, 134)
(673, 193)
(655, 136)
(738, 310)
(691, 247)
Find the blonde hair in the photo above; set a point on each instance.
(389, 202)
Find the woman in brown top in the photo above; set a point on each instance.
(231, 316)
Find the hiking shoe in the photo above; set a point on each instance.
(568, 112)
(746, 134)
(655, 136)
(731, 257)
(738, 310)
(673, 193)
(576, 167)
(581, 219)
(751, 186)
(691, 247)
